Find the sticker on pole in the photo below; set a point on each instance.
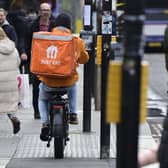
(107, 24)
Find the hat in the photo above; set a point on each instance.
(64, 20)
(2, 34)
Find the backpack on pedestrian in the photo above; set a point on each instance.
(53, 54)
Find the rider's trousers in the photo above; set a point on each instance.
(44, 99)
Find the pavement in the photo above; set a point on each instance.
(25, 149)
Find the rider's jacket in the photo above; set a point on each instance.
(83, 57)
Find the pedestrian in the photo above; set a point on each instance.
(44, 22)
(165, 46)
(63, 26)
(31, 15)
(17, 17)
(159, 153)
(7, 27)
(9, 68)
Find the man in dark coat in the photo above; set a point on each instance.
(45, 22)
(16, 17)
(7, 27)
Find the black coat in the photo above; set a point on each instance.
(17, 19)
(36, 25)
(10, 32)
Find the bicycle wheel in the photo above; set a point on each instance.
(58, 125)
(58, 134)
(59, 147)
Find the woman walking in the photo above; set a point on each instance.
(9, 69)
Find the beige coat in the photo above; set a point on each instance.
(9, 63)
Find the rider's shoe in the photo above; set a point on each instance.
(73, 118)
(44, 132)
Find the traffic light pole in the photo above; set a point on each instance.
(106, 30)
(128, 128)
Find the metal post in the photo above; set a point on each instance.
(87, 76)
(106, 41)
(128, 129)
(87, 99)
(97, 83)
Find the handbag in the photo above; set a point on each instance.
(24, 90)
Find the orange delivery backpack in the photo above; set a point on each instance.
(52, 54)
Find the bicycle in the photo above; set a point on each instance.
(59, 120)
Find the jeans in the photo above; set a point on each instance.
(44, 100)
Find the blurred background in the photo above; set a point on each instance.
(74, 7)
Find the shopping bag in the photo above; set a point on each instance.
(24, 90)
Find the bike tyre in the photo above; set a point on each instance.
(58, 133)
(58, 127)
(59, 147)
